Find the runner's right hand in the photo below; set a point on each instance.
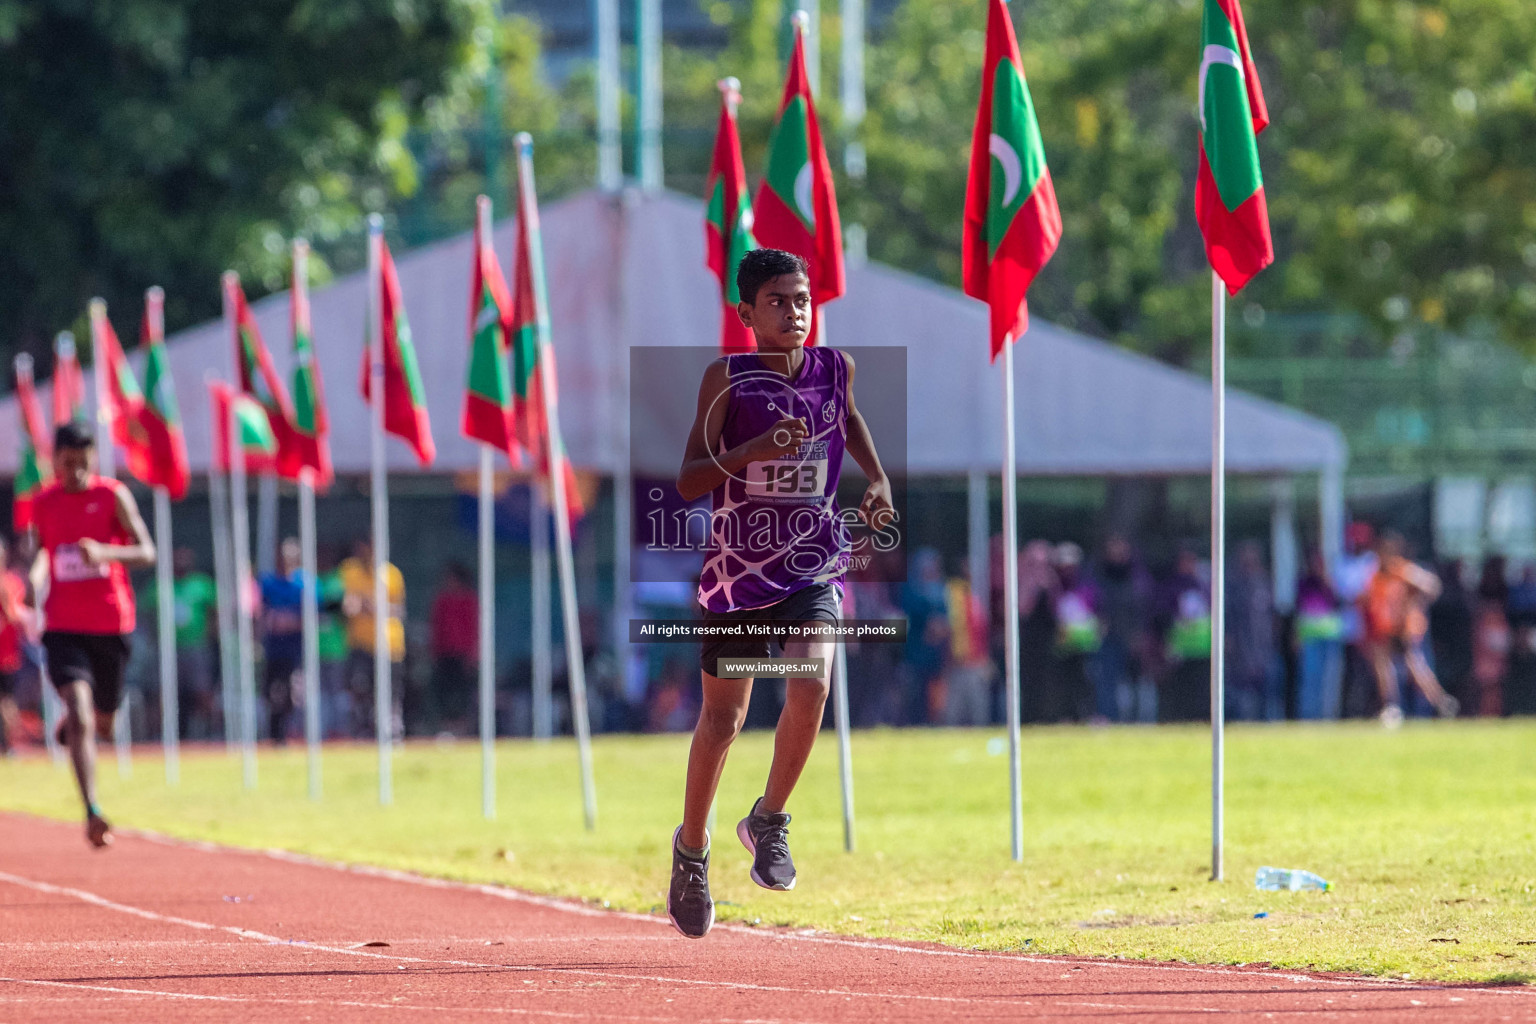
(783, 438)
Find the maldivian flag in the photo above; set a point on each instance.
(256, 438)
(533, 352)
(796, 208)
(33, 471)
(125, 402)
(1229, 190)
(405, 402)
(68, 383)
(159, 417)
(258, 377)
(728, 219)
(488, 394)
(1012, 224)
(310, 425)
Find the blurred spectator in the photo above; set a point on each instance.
(455, 649)
(1519, 696)
(1320, 642)
(15, 628)
(1123, 690)
(924, 604)
(196, 598)
(1352, 577)
(1185, 616)
(1490, 637)
(969, 680)
(1253, 689)
(1395, 623)
(1450, 633)
(1038, 587)
(282, 636)
(358, 606)
(1077, 638)
(335, 700)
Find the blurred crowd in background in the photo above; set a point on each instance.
(1104, 638)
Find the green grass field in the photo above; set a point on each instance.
(1429, 835)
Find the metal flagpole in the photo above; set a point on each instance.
(383, 700)
(542, 664)
(310, 609)
(165, 584)
(610, 154)
(311, 623)
(487, 539)
(1011, 602)
(223, 574)
(648, 89)
(106, 465)
(240, 530)
(1218, 569)
(575, 668)
(844, 742)
(487, 629)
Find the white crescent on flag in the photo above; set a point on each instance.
(1215, 54)
(804, 198)
(1013, 170)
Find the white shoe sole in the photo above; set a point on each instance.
(745, 835)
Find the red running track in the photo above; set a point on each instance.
(151, 931)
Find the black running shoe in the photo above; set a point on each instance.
(766, 837)
(688, 902)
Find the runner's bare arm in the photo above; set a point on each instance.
(702, 469)
(138, 555)
(37, 574)
(876, 508)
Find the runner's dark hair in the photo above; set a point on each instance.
(75, 434)
(760, 266)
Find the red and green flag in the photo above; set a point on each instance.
(257, 441)
(124, 400)
(33, 471)
(258, 378)
(310, 426)
(728, 219)
(165, 445)
(796, 208)
(1012, 224)
(405, 401)
(68, 382)
(533, 352)
(1229, 189)
(488, 406)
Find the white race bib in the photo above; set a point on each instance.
(784, 480)
(70, 566)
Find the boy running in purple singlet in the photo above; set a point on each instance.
(768, 443)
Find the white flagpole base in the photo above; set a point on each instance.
(165, 585)
(1011, 605)
(1218, 571)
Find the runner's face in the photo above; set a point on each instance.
(781, 316)
(72, 466)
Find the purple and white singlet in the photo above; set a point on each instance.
(776, 527)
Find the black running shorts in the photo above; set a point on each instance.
(818, 602)
(98, 660)
(8, 684)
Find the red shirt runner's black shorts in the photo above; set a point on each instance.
(89, 613)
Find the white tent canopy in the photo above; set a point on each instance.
(628, 270)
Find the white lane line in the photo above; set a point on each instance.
(583, 910)
(559, 971)
(279, 1001)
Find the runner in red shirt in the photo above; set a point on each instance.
(89, 534)
(14, 626)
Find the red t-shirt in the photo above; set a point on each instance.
(456, 624)
(83, 598)
(13, 594)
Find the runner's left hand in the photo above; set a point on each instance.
(875, 509)
(90, 550)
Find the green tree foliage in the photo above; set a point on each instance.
(1400, 167)
(161, 141)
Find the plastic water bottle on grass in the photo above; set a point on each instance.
(1292, 879)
